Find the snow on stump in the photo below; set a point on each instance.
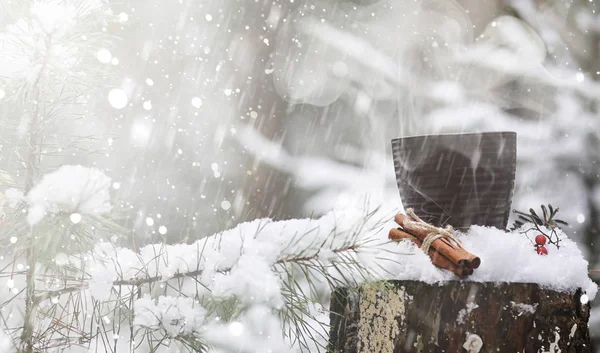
(457, 316)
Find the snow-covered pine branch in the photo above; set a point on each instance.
(48, 61)
(262, 285)
(53, 47)
(284, 270)
(74, 190)
(182, 296)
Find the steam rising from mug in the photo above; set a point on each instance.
(343, 50)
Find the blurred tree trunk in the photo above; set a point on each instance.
(264, 190)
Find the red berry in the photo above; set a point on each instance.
(540, 239)
(542, 250)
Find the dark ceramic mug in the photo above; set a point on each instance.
(457, 179)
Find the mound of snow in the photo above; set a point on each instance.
(507, 257)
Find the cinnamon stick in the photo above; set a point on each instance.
(436, 258)
(456, 254)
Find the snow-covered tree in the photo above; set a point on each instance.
(71, 284)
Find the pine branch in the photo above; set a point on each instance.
(548, 221)
(316, 255)
(33, 162)
(136, 282)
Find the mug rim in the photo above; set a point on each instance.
(512, 133)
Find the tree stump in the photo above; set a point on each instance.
(410, 316)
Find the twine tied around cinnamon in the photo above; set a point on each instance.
(433, 233)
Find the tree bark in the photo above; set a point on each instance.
(410, 316)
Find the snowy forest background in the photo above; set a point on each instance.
(190, 117)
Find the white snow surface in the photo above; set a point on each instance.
(242, 261)
(249, 263)
(71, 188)
(524, 308)
(508, 257)
(258, 330)
(174, 315)
(231, 262)
(6, 343)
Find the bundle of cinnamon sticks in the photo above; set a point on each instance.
(443, 252)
